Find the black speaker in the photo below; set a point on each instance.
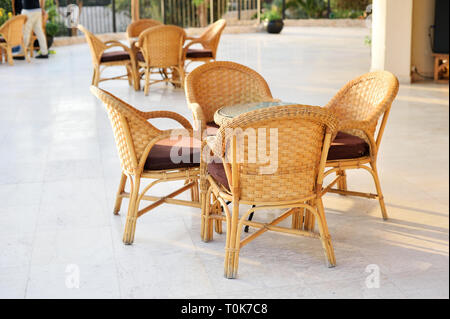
(440, 43)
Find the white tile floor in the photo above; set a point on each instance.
(59, 171)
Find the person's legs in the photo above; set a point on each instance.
(27, 29)
(37, 29)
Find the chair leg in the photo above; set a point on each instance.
(233, 244)
(342, 184)
(379, 192)
(129, 75)
(325, 235)
(194, 191)
(96, 76)
(250, 217)
(297, 218)
(123, 181)
(147, 80)
(207, 231)
(136, 77)
(9, 55)
(133, 206)
(218, 222)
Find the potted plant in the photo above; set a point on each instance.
(273, 22)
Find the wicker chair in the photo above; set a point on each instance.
(209, 41)
(161, 48)
(135, 29)
(11, 35)
(146, 152)
(294, 183)
(217, 84)
(358, 106)
(101, 58)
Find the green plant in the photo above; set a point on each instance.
(272, 14)
(53, 26)
(313, 8)
(5, 10)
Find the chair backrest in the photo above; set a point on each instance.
(162, 45)
(136, 28)
(12, 30)
(132, 132)
(211, 37)
(365, 98)
(294, 135)
(217, 84)
(95, 44)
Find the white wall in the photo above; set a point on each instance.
(391, 37)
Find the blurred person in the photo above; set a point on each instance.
(34, 10)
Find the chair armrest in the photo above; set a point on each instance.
(114, 43)
(356, 125)
(168, 114)
(198, 111)
(195, 41)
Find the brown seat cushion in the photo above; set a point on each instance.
(199, 53)
(159, 156)
(114, 56)
(346, 146)
(212, 128)
(139, 56)
(216, 170)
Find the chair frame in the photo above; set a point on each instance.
(147, 66)
(305, 211)
(97, 48)
(133, 163)
(148, 23)
(206, 43)
(367, 130)
(194, 94)
(6, 33)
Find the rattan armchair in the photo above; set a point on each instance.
(217, 84)
(359, 106)
(147, 152)
(209, 42)
(102, 59)
(135, 29)
(11, 35)
(291, 179)
(161, 48)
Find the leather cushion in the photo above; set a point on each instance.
(159, 157)
(344, 146)
(114, 56)
(211, 128)
(199, 53)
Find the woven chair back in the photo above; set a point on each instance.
(365, 98)
(279, 151)
(95, 44)
(132, 132)
(12, 30)
(211, 37)
(162, 45)
(136, 28)
(218, 84)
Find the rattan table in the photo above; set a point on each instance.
(227, 113)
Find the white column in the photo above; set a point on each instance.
(391, 37)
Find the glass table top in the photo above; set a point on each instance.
(229, 112)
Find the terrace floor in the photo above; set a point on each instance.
(59, 171)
